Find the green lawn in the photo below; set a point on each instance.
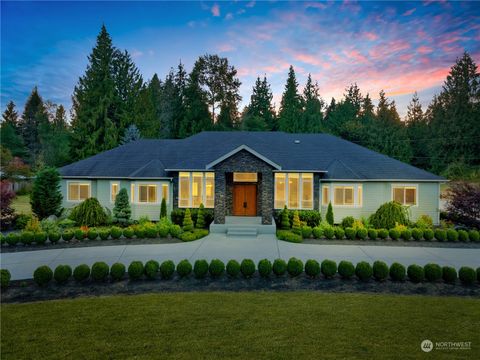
(21, 205)
(244, 325)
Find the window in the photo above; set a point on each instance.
(78, 191)
(147, 193)
(165, 192)
(360, 196)
(196, 188)
(405, 195)
(132, 193)
(294, 190)
(343, 195)
(113, 191)
(325, 195)
(245, 177)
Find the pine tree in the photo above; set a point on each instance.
(329, 216)
(251, 122)
(260, 114)
(148, 108)
(417, 130)
(200, 218)
(55, 138)
(10, 115)
(167, 106)
(131, 134)
(94, 124)
(46, 198)
(291, 106)
(10, 137)
(179, 106)
(312, 113)
(121, 209)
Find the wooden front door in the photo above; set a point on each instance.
(245, 200)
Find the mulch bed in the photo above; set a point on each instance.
(27, 291)
(400, 242)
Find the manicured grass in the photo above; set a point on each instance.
(244, 325)
(21, 205)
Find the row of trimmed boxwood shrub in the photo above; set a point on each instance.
(380, 271)
(40, 238)
(394, 234)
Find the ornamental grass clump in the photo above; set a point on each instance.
(247, 268)
(380, 270)
(312, 268)
(233, 268)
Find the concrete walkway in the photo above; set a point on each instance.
(23, 264)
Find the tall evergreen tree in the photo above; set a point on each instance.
(418, 132)
(148, 108)
(312, 113)
(179, 106)
(260, 114)
(167, 106)
(291, 105)
(46, 196)
(10, 137)
(131, 134)
(55, 139)
(10, 115)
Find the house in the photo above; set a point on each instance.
(251, 174)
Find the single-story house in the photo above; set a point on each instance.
(251, 174)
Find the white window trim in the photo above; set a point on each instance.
(190, 192)
(405, 186)
(167, 200)
(111, 185)
(89, 183)
(331, 194)
(300, 191)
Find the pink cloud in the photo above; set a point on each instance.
(424, 49)
(370, 36)
(312, 60)
(215, 10)
(388, 49)
(356, 55)
(409, 12)
(406, 57)
(225, 48)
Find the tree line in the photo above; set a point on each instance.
(112, 105)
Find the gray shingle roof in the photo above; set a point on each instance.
(340, 159)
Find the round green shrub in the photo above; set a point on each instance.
(27, 237)
(312, 268)
(279, 267)
(383, 234)
(463, 236)
(380, 270)
(184, 268)
(329, 268)
(364, 271)
(417, 234)
(406, 235)
(306, 232)
(362, 234)
(115, 232)
(216, 268)
(433, 272)
(346, 269)
(347, 222)
(428, 234)
(467, 275)
(452, 235)
(265, 268)
(54, 237)
(372, 234)
(151, 232)
(135, 270)
(294, 266)
(151, 269)
(100, 271)
(441, 235)
(167, 269)
(317, 232)
(233, 268)
(79, 234)
(43, 275)
(339, 233)
(5, 277)
(92, 234)
(12, 239)
(415, 273)
(200, 269)
(104, 234)
(175, 231)
(163, 230)
(329, 233)
(388, 215)
(350, 233)
(139, 232)
(81, 273)
(40, 237)
(474, 235)
(247, 268)
(394, 234)
(128, 233)
(117, 271)
(62, 273)
(397, 272)
(67, 235)
(3, 240)
(449, 274)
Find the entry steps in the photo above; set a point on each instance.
(243, 226)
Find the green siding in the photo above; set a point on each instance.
(378, 193)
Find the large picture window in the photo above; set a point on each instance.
(196, 188)
(405, 195)
(78, 191)
(294, 190)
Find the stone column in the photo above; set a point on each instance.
(220, 191)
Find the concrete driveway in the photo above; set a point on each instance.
(23, 264)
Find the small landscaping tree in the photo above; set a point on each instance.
(329, 216)
(7, 213)
(285, 221)
(163, 209)
(89, 213)
(389, 215)
(187, 221)
(463, 203)
(296, 224)
(122, 210)
(200, 218)
(46, 197)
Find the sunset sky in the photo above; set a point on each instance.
(400, 47)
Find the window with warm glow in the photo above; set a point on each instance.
(113, 191)
(245, 177)
(147, 193)
(280, 190)
(165, 192)
(294, 190)
(405, 195)
(78, 191)
(132, 193)
(196, 188)
(325, 195)
(343, 195)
